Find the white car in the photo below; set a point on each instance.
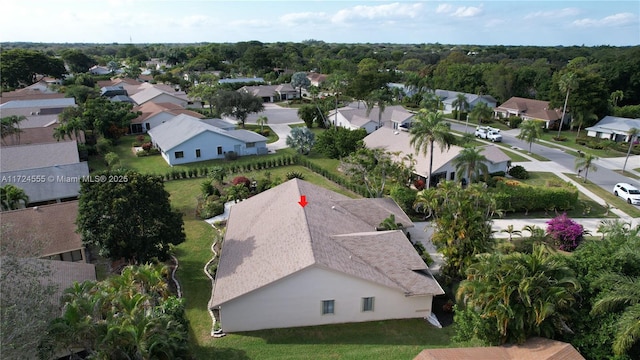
(628, 192)
(488, 133)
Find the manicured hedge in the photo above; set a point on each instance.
(517, 198)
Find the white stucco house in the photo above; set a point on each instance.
(283, 265)
(354, 118)
(443, 165)
(271, 93)
(184, 139)
(154, 114)
(613, 128)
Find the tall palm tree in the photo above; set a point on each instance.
(429, 128)
(380, 97)
(633, 135)
(567, 83)
(530, 131)
(460, 103)
(624, 293)
(581, 117)
(262, 121)
(11, 196)
(430, 101)
(480, 112)
(616, 96)
(471, 163)
(585, 163)
(336, 83)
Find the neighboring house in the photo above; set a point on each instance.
(37, 91)
(36, 107)
(316, 79)
(53, 170)
(613, 128)
(532, 349)
(241, 80)
(157, 95)
(529, 109)
(111, 91)
(51, 226)
(99, 70)
(405, 90)
(272, 93)
(154, 114)
(356, 118)
(184, 139)
(449, 97)
(443, 167)
(283, 265)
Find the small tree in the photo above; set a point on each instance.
(217, 173)
(237, 192)
(241, 180)
(566, 233)
(299, 80)
(262, 121)
(301, 139)
(112, 159)
(530, 131)
(585, 163)
(12, 196)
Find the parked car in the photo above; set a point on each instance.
(628, 192)
(488, 133)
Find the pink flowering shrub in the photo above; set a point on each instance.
(566, 233)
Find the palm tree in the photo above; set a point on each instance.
(480, 112)
(378, 97)
(567, 83)
(585, 163)
(336, 82)
(430, 101)
(581, 117)
(633, 135)
(471, 163)
(10, 126)
(262, 121)
(429, 128)
(237, 192)
(511, 231)
(11, 196)
(530, 131)
(460, 103)
(390, 223)
(624, 293)
(521, 295)
(616, 96)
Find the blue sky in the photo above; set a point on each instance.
(544, 23)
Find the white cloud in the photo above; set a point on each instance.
(302, 18)
(444, 9)
(620, 19)
(467, 11)
(553, 13)
(386, 11)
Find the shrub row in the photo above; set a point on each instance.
(516, 198)
(340, 180)
(255, 164)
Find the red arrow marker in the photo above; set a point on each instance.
(303, 201)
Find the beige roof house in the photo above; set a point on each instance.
(529, 109)
(281, 263)
(52, 225)
(154, 114)
(357, 118)
(443, 168)
(533, 349)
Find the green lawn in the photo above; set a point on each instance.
(571, 143)
(393, 339)
(273, 137)
(631, 210)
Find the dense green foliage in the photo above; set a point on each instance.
(517, 197)
(128, 216)
(128, 316)
(19, 67)
(338, 142)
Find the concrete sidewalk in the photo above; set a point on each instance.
(282, 130)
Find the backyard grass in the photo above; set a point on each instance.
(631, 210)
(571, 143)
(273, 137)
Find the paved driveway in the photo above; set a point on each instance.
(276, 115)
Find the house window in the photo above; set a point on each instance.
(327, 307)
(367, 304)
(147, 126)
(197, 153)
(452, 176)
(219, 150)
(251, 145)
(179, 154)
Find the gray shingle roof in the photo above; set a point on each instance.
(22, 157)
(183, 127)
(610, 124)
(270, 236)
(38, 103)
(61, 181)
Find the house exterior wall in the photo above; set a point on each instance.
(297, 301)
(208, 143)
(600, 135)
(156, 120)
